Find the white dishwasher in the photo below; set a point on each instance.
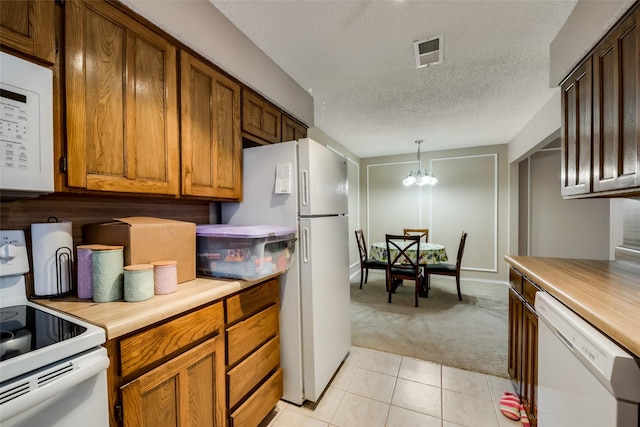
(584, 378)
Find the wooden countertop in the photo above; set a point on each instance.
(120, 318)
(605, 293)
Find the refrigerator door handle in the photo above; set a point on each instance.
(305, 245)
(305, 188)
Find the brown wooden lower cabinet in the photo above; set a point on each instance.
(188, 390)
(259, 404)
(515, 338)
(523, 342)
(216, 365)
(171, 373)
(529, 392)
(254, 376)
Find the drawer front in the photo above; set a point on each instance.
(258, 406)
(252, 300)
(529, 291)
(251, 371)
(246, 336)
(515, 278)
(151, 345)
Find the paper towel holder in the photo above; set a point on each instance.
(55, 261)
(63, 254)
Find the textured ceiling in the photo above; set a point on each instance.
(356, 58)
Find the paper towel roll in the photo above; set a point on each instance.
(52, 241)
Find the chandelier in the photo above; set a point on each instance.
(419, 176)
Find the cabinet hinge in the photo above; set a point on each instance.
(63, 164)
(117, 411)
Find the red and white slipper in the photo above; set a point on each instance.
(523, 417)
(510, 406)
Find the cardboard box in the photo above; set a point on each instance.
(148, 239)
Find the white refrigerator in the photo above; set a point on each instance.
(303, 184)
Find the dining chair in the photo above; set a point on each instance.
(420, 231)
(446, 269)
(365, 262)
(404, 264)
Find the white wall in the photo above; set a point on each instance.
(543, 128)
(471, 196)
(551, 226)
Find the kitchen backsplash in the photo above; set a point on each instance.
(87, 209)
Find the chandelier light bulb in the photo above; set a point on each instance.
(419, 176)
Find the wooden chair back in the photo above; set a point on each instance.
(463, 240)
(365, 262)
(406, 254)
(420, 231)
(362, 246)
(404, 262)
(447, 269)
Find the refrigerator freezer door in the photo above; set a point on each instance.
(261, 205)
(322, 179)
(324, 279)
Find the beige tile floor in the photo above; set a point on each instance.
(378, 389)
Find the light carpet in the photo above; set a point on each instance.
(469, 334)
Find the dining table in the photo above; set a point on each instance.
(430, 253)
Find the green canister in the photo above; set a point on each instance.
(138, 282)
(107, 265)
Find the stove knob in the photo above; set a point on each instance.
(8, 252)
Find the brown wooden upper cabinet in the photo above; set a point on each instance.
(211, 141)
(576, 131)
(616, 117)
(260, 119)
(601, 118)
(28, 26)
(121, 102)
(291, 129)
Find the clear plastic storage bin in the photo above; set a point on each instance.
(246, 252)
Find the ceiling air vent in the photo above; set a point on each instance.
(429, 51)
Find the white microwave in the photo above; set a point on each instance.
(26, 128)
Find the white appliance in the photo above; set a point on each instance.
(303, 184)
(26, 128)
(584, 379)
(53, 369)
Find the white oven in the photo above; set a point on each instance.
(584, 379)
(52, 366)
(26, 128)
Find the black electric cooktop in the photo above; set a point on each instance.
(24, 328)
